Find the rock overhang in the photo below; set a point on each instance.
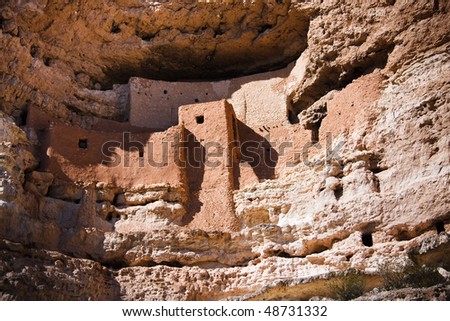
(167, 41)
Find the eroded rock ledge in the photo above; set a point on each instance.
(368, 80)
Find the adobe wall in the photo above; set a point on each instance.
(260, 101)
(117, 155)
(211, 129)
(37, 119)
(154, 104)
(256, 99)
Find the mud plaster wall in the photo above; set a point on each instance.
(259, 99)
(129, 158)
(256, 99)
(154, 104)
(210, 136)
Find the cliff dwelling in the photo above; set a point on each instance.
(224, 150)
(181, 136)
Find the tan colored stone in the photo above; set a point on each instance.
(276, 230)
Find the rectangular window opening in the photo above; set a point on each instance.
(200, 119)
(83, 143)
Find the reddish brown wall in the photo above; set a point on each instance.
(118, 162)
(37, 119)
(124, 168)
(211, 204)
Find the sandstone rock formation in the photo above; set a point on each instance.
(338, 110)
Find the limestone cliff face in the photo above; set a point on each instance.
(369, 81)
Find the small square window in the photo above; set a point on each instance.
(200, 119)
(82, 143)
